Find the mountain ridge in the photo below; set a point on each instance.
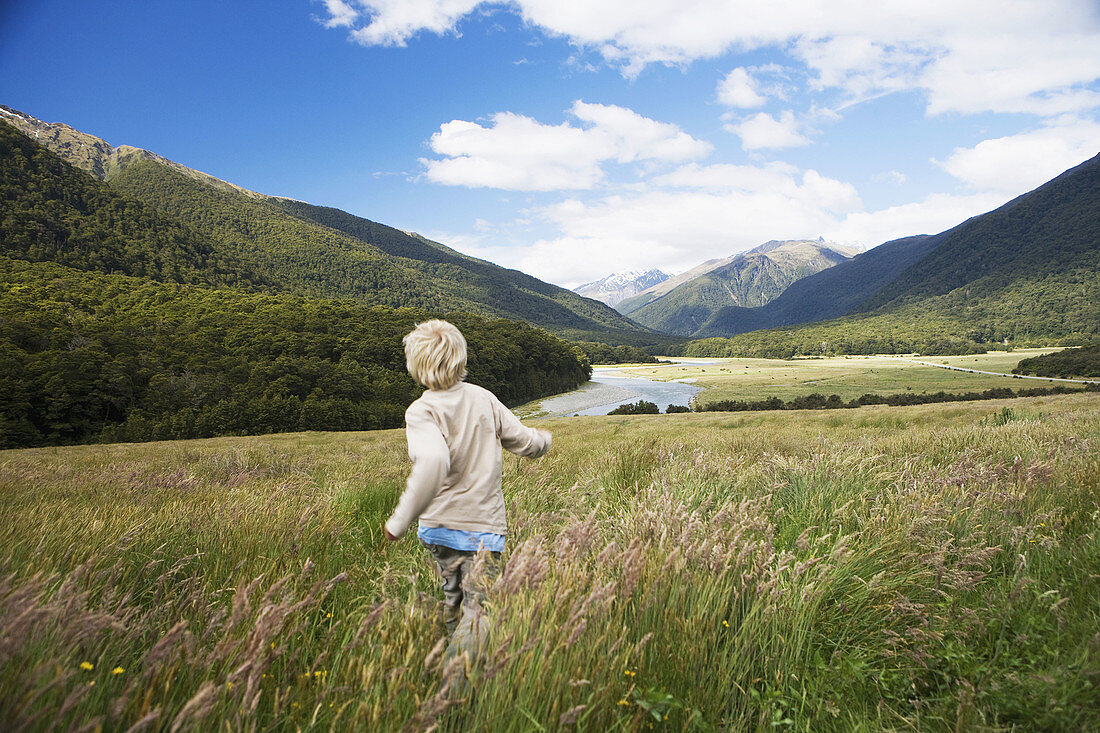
(300, 247)
(619, 286)
(747, 279)
(1027, 272)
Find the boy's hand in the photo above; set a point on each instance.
(387, 534)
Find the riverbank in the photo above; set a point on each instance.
(612, 386)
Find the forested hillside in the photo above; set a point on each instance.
(300, 248)
(1025, 274)
(88, 356)
(202, 311)
(1083, 362)
(1046, 234)
(508, 292)
(52, 212)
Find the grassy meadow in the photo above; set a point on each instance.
(847, 376)
(931, 568)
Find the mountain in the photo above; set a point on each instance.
(616, 288)
(827, 294)
(746, 280)
(293, 247)
(1025, 273)
(120, 321)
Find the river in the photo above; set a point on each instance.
(611, 387)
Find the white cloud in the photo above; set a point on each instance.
(762, 131)
(341, 14)
(739, 89)
(706, 212)
(519, 153)
(934, 214)
(393, 22)
(895, 177)
(697, 212)
(979, 55)
(1018, 163)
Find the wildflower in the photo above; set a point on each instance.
(117, 670)
(87, 666)
(328, 615)
(628, 673)
(725, 623)
(622, 702)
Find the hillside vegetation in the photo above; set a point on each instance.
(913, 568)
(93, 357)
(1025, 273)
(1083, 362)
(53, 212)
(317, 251)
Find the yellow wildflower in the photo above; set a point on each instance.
(87, 665)
(117, 670)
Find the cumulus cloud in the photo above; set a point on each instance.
(739, 89)
(932, 215)
(765, 132)
(519, 153)
(394, 22)
(340, 14)
(701, 212)
(1017, 163)
(1015, 56)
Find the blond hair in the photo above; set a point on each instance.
(435, 354)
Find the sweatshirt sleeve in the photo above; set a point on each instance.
(431, 462)
(517, 437)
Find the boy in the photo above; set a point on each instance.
(455, 433)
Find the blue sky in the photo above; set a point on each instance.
(575, 138)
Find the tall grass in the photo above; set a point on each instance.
(922, 568)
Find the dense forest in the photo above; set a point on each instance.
(600, 353)
(92, 357)
(204, 311)
(1083, 362)
(53, 212)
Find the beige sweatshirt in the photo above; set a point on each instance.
(455, 436)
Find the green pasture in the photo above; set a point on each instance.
(927, 568)
(847, 376)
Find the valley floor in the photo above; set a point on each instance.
(913, 568)
(846, 376)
